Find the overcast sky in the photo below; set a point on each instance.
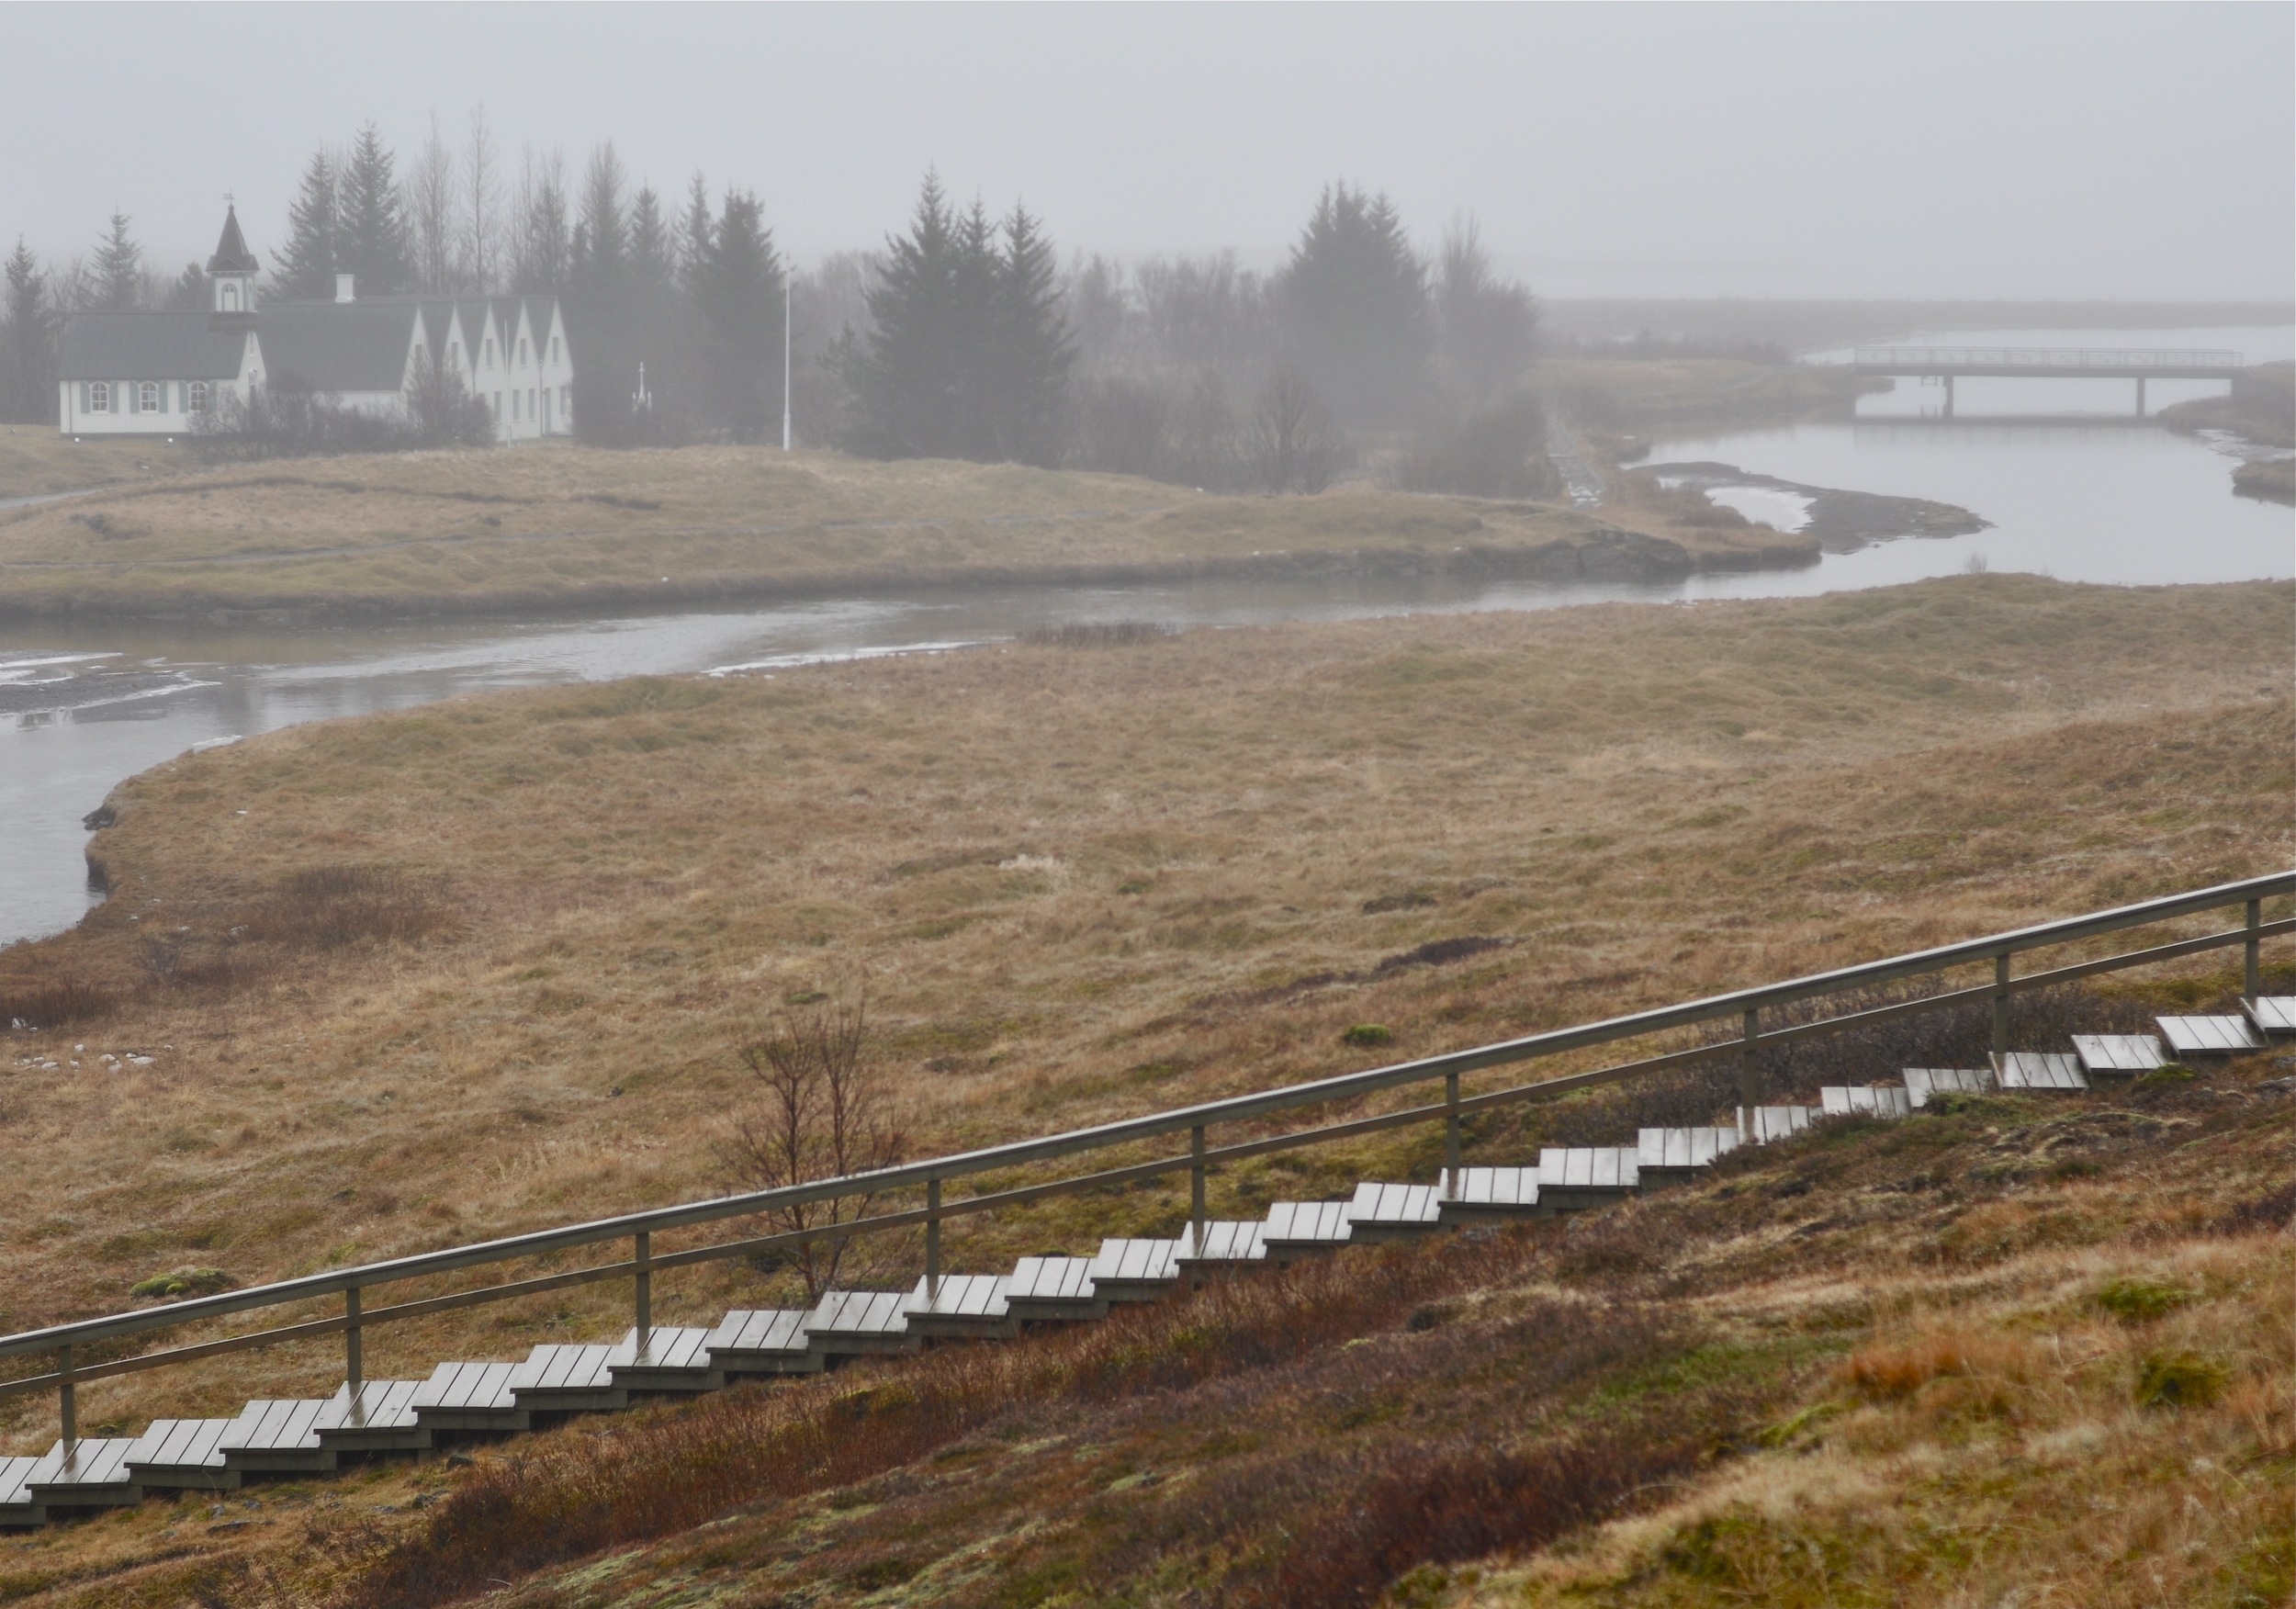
(2079, 150)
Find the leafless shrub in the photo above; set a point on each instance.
(1296, 444)
(328, 907)
(1107, 634)
(1499, 451)
(38, 1001)
(817, 1109)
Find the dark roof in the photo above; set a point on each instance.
(150, 347)
(337, 346)
(232, 255)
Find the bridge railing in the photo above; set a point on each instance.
(67, 1343)
(2118, 358)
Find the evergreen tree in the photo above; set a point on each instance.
(307, 268)
(906, 379)
(542, 257)
(372, 238)
(602, 230)
(189, 294)
(1355, 308)
(650, 255)
(28, 352)
(740, 298)
(1032, 353)
(119, 268)
(696, 237)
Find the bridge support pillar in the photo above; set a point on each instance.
(1949, 396)
(2140, 396)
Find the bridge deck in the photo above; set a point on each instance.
(2102, 363)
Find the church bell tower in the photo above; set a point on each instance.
(232, 269)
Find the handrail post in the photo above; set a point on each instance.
(645, 1291)
(67, 1400)
(1451, 1136)
(932, 1240)
(2000, 1004)
(2252, 972)
(1749, 1070)
(1196, 1183)
(354, 1369)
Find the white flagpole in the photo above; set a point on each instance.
(785, 398)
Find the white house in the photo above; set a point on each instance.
(152, 373)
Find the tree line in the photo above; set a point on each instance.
(963, 336)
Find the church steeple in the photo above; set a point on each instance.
(233, 267)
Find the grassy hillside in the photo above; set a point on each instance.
(555, 524)
(418, 978)
(35, 460)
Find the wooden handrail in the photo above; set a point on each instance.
(1994, 948)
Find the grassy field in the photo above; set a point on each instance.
(558, 526)
(35, 460)
(419, 978)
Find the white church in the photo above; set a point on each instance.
(154, 373)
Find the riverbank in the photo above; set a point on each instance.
(1839, 521)
(556, 526)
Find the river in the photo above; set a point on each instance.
(83, 705)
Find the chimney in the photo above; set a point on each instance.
(343, 292)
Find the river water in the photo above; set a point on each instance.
(82, 706)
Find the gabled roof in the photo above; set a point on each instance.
(150, 347)
(232, 255)
(337, 346)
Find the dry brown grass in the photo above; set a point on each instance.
(556, 524)
(1084, 883)
(35, 460)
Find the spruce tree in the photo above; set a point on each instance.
(372, 240)
(696, 237)
(740, 298)
(1355, 308)
(650, 255)
(1031, 351)
(28, 354)
(307, 268)
(543, 259)
(189, 294)
(906, 380)
(119, 268)
(602, 230)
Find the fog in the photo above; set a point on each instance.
(2108, 152)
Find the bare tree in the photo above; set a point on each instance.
(431, 205)
(481, 194)
(1295, 445)
(817, 1110)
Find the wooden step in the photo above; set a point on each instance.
(676, 1358)
(2039, 1070)
(2274, 1015)
(1675, 1156)
(275, 1435)
(379, 1417)
(1383, 1213)
(1488, 1195)
(568, 1378)
(2191, 1037)
(470, 1397)
(1136, 1270)
(1054, 1290)
(1226, 1244)
(1304, 1228)
(2117, 1055)
(94, 1474)
(1769, 1124)
(1921, 1082)
(16, 1507)
(1572, 1178)
(1865, 1100)
(859, 1323)
(964, 1307)
(183, 1455)
(763, 1341)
